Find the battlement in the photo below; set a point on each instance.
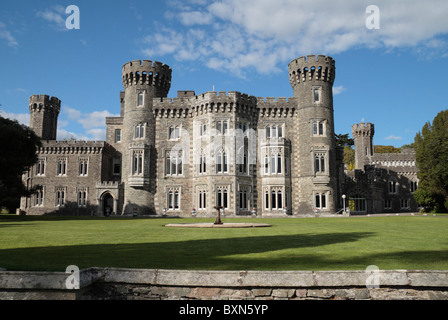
(147, 72)
(363, 129)
(312, 68)
(71, 147)
(39, 102)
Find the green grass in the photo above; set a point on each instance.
(53, 243)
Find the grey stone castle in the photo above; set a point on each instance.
(187, 155)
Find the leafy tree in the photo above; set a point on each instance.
(407, 146)
(431, 150)
(386, 149)
(343, 140)
(18, 145)
(349, 158)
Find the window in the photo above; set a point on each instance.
(222, 198)
(140, 99)
(274, 131)
(320, 200)
(242, 126)
(202, 163)
(117, 135)
(139, 131)
(244, 197)
(273, 161)
(242, 161)
(40, 167)
(62, 167)
(202, 200)
(39, 198)
(273, 198)
(116, 165)
(266, 165)
(60, 197)
(318, 128)
(404, 203)
(221, 162)
(316, 95)
(222, 126)
(413, 186)
(392, 186)
(82, 197)
(357, 203)
(174, 132)
(202, 129)
(173, 200)
(137, 162)
(83, 165)
(319, 163)
(387, 204)
(266, 200)
(173, 163)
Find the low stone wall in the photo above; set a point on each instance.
(137, 284)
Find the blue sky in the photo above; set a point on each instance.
(394, 76)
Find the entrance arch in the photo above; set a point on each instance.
(108, 204)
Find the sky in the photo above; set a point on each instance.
(391, 63)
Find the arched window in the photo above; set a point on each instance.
(221, 162)
(174, 132)
(139, 131)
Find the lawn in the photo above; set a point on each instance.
(53, 243)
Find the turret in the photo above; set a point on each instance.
(44, 112)
(312, 79)
(143, 81)
(363, 135)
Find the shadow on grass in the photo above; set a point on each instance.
(301, 252)
(257, 252)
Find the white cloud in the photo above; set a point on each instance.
(94, 123)
(6, 35)
(63, 134)
(238, 35)
(392, 137)
(338, 90)
(22, 118)
(55, 16)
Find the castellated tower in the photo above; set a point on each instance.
(44, 112)
(312, 79)
(363, 135)
(142, 81)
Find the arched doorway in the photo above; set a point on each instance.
(108, 204)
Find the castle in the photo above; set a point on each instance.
(188, 155)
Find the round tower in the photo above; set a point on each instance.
(312, 79)
(44, 112)
(142, 81)
(363, 135)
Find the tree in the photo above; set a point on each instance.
(343, 140)
(18, 145)
(431, 151)
(349, 158)
(386, 149)
(346, 143)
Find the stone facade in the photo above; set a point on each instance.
(189, 154)
(381, 182)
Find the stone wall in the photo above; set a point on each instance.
(144, 284)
